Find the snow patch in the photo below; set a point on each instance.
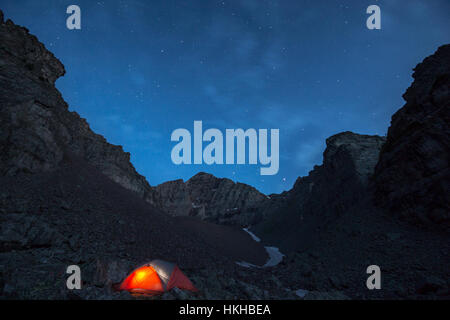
(254, 237)
(301, 293)
(275, 256)
(246, 264)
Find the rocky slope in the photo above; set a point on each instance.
(412, 178)
(76, 215)
(209, 198)
(36, 128)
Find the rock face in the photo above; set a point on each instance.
(348, 162)
(36, 128)
(412, 178)
(210, 198)
(325, 194)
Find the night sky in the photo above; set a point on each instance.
(137, 70)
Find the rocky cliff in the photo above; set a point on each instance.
(348, 162)
(37, 132)
(412, 178)
(36, 128)
(329, 191)
(210, 198)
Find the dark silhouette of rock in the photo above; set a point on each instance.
(412, 178)
(329, 190)
(209, 198)
(36, 127)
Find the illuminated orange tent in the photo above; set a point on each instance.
(156, 277)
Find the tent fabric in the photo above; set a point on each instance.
(144, 278)
(156, 277)
(179, 280)
(164, 270)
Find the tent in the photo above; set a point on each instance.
(156, 277)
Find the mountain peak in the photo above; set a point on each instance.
(37, 130)
(203, 175)
(26, 52)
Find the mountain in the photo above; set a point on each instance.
(36, 127)
(349, 161)
(295, 217)
(37, 130)
(212, 199)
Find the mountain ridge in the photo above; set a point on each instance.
(207, 197)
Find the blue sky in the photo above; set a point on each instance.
(137, 70)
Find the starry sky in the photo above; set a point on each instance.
(137, 70)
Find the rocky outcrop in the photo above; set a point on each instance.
(348, 163)
(210, 198)
(412, 178)
(37, 131)
(320, 198)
